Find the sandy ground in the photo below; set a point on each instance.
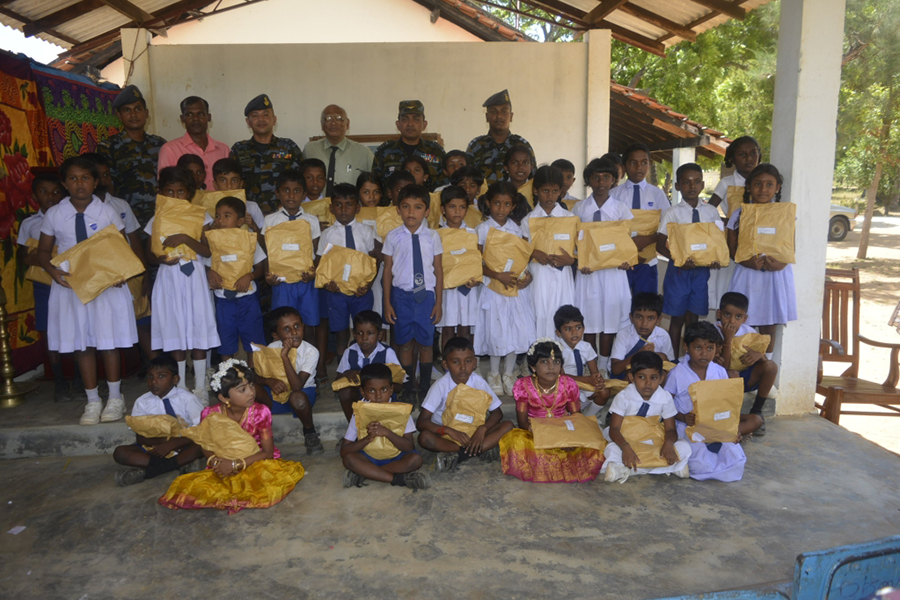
(880, 282)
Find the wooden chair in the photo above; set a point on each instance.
(840, 343)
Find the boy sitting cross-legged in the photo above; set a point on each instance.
(459, 362)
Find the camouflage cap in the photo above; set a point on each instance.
(128, 95)
(261, 102)
(411, 107)
(497, 99)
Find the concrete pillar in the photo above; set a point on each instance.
(803, 140)
(599, 44)
(136, 54)
(680, 156)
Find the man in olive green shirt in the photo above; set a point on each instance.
(344, 159)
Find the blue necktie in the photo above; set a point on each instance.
(230, 294)
(80, 228)
(695, 216)
(464, 290)
(348, 233)
(168, 406)
(187, 268)
(714, 447)
(636, 198)
(579, 366)
(642, 411)
(419, 292)
(598, 216)
(293, 217)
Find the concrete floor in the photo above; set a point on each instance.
(476, 534)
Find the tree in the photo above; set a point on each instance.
(532, 21)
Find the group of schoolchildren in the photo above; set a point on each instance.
(570, 324)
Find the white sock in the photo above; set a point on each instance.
(199, 373)
(769, 355)
(603, 362)
(182, 368)
(495, 365)
(114, 391)
(93, 395)
(509, 363)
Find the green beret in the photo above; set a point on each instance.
(261, 102)
(498, 98)
(128, 95)
(411, 107)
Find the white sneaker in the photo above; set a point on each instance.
(496, 383)
(202, 396)
(115, 410)
(91, 414)
(508, 382)
(684, 473)
(617, 473)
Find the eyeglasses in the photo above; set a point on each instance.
(334, 118)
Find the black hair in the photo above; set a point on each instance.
(227, 165)
(467, 172)
(504, 188)
(99, 159)
(647, 301)
(415, 191)
(453, 192)
(375, 371)
(563, 164)
(519, 149)
(367, 177)
(45, 177)
(601, 165)
(277, 314)
(345, 191)
(634, 147)
(470, 161)
(457, 343)
(170, 175)
(763, 169)
(543, 350)
(190, 159)
(81, 163)
(735, 299)
(193, 100)
(234, 204)
(233, 377)
(547, 174)
(646, 360)
(688, 167)
(616, 159)
(702, 330)
(368, 316)
(290, 176)
(311, 163)
(420, 161)
(566, 314)
(163, 361)
(733, 146)
(396, 177)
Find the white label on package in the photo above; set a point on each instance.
(229, 258)
(695, 247)
(581, 235)
(634, 234)
(606, 247)
(327, 248)
(369, 222)
(290, 247)
(346, 275)
(464, 418)
(457, 252)
(648, 442)
(562, 236)
(570, 425)
(722, 415)
(765, 230)
(509, 265)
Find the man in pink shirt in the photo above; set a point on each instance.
(196, 118)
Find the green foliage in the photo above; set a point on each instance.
(557, 30)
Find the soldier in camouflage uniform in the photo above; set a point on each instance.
(134, 154)
(264, 156)
(490, 150)
(390, 156)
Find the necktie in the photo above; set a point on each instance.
(365, 362)
(168, 406)
(293, 217)
(695, 216)
(418, 271)
(714, 447)
(80, 228)
(187, 268)
(348, 233)
(642, 411)
(330, 175)
(230, 294)
(464, 290)
(598, 216)
(579, 366)
(636, 198)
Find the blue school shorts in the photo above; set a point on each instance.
(239, 317)
(41, 306)
(283, 409)
(745, 375)
(381, 462)
(686, 290)
(302, 296)
(413, 318)
(643, 278)
(342, 308)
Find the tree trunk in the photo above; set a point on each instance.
(870, 209)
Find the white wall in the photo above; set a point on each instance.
(369, 80)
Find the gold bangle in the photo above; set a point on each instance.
(243, 465)
(209, 461)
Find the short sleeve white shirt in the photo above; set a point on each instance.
(281, 216)
(306, 361)
(336, 235)
(60, 221)
(628, 337)
(628, 402)
(683, 213)
(398, 245)
(436, 400)
(185, 404)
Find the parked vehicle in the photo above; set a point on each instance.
(841, 222)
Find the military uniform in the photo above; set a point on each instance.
(262, 164)
(490, 156)
(390, 156)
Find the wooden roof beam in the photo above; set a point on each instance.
(603, 10)
(726, 8)
(695, 142)
(135, 13)
(661, 22)
(629, 37)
